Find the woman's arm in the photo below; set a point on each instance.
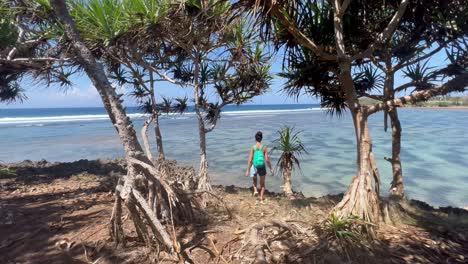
(249, 163)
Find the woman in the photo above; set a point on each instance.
(258, 158)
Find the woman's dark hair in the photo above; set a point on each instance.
(259, 136)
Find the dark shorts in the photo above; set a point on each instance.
(261, 171)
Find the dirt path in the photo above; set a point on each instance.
(59, 214)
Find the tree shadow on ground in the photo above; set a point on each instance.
(29, 172)
(387, 247)
(47, 227)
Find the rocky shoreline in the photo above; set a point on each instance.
(28, 170)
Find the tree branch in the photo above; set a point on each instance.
(343, 7)
(300, 37)
(377, 64)
(402, 65)
(144, 136)
(32, 60)
(406, 86)
(164, 76)
(386, 33)
(338, 25)
(458, 83)
(216, 117)
(21, 34)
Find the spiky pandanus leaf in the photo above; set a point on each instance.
(310, 76)
(457, 54)
(212, 112)
(419, 73)
(181, 105)
(367, 79)
(99, 20)
(10, 90)
(290, 147)
(166, 105)
(146, 105)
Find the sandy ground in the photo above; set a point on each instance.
(60, 213)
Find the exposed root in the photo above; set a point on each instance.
(156, 204)
(257, 239)
(115, 227)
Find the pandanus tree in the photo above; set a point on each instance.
(26, 51)
(326, 39)
(127, 37)
(291, 149)
(123, 34)
(225, 64)
(68, 46)
(433, 30)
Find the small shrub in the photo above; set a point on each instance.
(347, 228)
(7, 173)
(443, 104)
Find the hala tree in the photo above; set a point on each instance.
(26, 51)
(115, 30)
(326, 39)
(291, 148)
(433, 31)
(68, 46)
(223, 60)
(127, 37)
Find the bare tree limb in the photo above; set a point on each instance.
(151, 68)
(401, 65)
(157, 227)
(343, 7)
(144, 135)
(377, 64)
(386, 33)
(458, 83)
(338, 24)
(154, 175)
(21, 34)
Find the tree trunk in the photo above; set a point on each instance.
(397, 187)
(203, 180)
(138, 163)
(144, 136)
(287, 185)
(159, 142)
(155, 114)
(395, 161)
(361, 198)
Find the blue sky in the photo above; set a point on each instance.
(83, 94)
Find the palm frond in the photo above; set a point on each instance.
(181, 105)
(290, 146)
(212, 112)
(166, 105)
(368, 78)
(419, 73)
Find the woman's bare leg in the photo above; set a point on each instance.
(255, 183)
(262, 186)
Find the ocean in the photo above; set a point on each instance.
(434, 145)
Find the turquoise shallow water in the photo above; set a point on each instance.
(434, 147)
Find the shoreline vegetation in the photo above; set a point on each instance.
(442, 102)
(58, 212)
(150, 209)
